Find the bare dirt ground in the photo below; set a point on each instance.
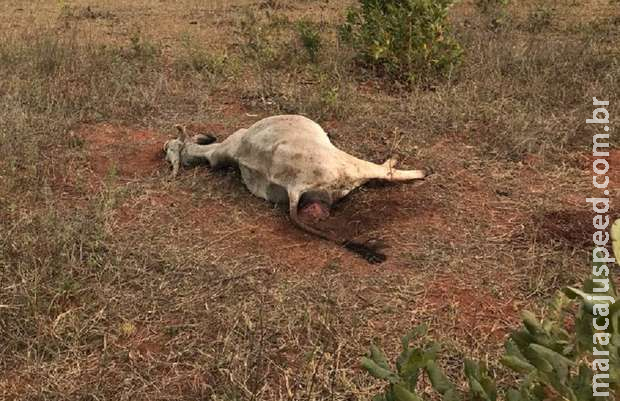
(117, 282)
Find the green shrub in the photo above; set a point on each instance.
(551, 359)
(414, 362)
(262, 39)
(408, 40)
(310, 38)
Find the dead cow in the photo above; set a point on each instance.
(289, 159)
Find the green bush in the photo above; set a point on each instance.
(414, 362)
(310, 38)
(551, 359)
(408, 40)
(261, 35)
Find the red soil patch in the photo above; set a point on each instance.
(476, 311)
(571, 227)
(129, 153)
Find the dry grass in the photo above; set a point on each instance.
(116, 283)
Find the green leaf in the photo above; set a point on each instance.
(577, 293)
(531, 323)
(513, 395)
(522, 339)
(538, 360)
(517, 364)
(379, 357)
(512, 348)
(451, 395)
(410, 369)
(582, 384)
(415, 359)
(377, 371)
(471, 369)
(403, 358)
(476, 390)
(403, 394)
(439, 380)
(481, 386)
(560, 302)
(551, 355)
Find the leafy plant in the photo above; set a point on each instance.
(407, 39)
(545, 355)
(551, 362)
(310, 38)
(261, 35)
(412, 362)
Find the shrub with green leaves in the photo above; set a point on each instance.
(552, 361)
(408, 40)
(261, 35)
(414, 362)
(310, 38)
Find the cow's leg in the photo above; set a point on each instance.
(405, 175)
(388, 172)
(185, 153)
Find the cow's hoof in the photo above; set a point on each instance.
(428, 171)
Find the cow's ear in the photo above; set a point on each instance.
(182, 132)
